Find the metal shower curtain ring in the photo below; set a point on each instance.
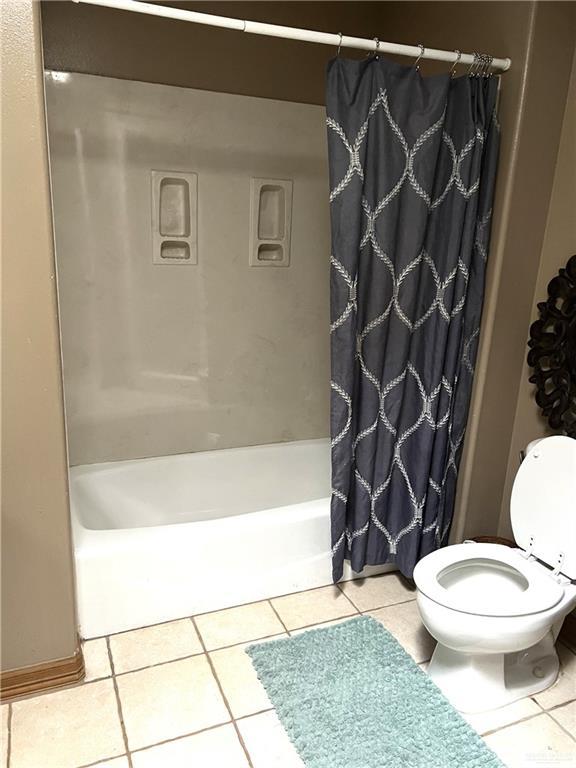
(422, 50)
(458, 57)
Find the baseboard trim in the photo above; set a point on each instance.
(42, 677)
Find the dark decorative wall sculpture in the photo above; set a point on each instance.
(552, 352)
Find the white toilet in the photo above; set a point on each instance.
(495, 611)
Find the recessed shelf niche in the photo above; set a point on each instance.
(174, 217)
(174, 207)
(270, 222)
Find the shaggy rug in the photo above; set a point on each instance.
(349, 696)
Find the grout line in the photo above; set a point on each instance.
(535, 700)
(253, 714)
(278, 617)
(325, 623)
(532, 717)
(243, 642)
(562, 728)
(348, 599)
(119, 704)
(177, 738)
(226, 702)
(509, 725)
(158, 664)
(103, 760)
(317, 624)
(321, 624)
(388, 605)
(557, 706)
(186, 735)
(553, 709)
(188, 656)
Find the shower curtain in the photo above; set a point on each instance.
(412, 169)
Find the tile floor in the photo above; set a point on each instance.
(184, 695)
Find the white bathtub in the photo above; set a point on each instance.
(162, 538)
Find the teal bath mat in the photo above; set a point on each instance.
(349, 696)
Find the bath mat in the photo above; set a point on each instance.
(349, 696)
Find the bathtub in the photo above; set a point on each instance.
(163, 538)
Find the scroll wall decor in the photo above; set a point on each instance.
(552, 352)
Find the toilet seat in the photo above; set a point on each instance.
(505, 582)
(543, 503)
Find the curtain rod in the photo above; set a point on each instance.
(293, 33)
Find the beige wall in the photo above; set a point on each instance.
(38, 618)
(559, 245)
(171, 358)
(100, 41)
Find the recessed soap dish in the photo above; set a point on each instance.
(270, 252)
(171, 249)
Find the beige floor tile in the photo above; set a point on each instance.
(378, 591)
(566, 716)
(66, 728)
(96, 659)
(403, 621)
(267, 742)
(244, 692)
(170, 700)
(483, 722)
(4, 737)
(238, 625)
(564, 689)
(153, 645)
(322, 624)
(312, 607)
(117, 762)
(535, 743)
(216, 748)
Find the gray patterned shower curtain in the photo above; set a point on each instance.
(412, 169)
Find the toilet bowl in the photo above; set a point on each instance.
(496, 611)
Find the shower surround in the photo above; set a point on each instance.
(165, 362)
(164, 358)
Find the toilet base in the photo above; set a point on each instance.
(480, 682)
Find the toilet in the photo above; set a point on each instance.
(496, 611)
